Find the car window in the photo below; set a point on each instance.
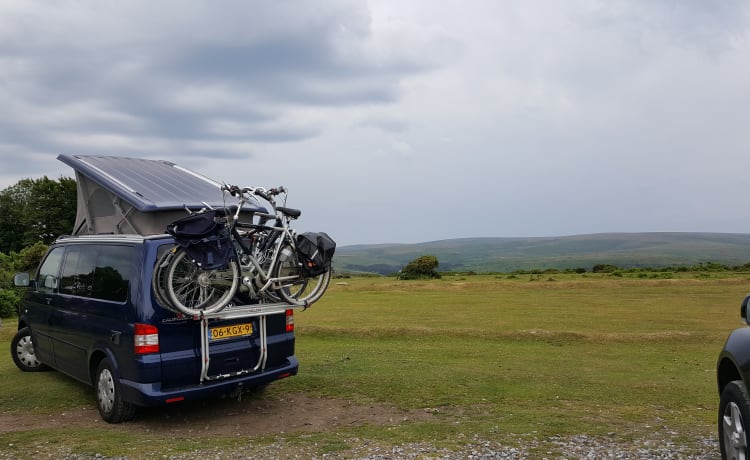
(114, 266)
(78, 271)
(101, 272)
(46, 279)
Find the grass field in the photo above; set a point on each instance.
(497, 358)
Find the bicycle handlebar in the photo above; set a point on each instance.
(260, 191)
(279, 213)
(232, 189)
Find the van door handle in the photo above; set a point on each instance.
(115, 337)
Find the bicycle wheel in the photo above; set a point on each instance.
(296, 287)
(193, 290)
(159, 282)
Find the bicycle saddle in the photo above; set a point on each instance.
(293, 213)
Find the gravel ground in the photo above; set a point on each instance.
(577, 447)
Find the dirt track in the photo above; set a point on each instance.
(248, 416)
(258, 416)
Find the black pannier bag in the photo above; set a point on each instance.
(205, 240)
(315, 252)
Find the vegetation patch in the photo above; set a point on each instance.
(442, 361)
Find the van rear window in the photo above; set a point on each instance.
(101, 272)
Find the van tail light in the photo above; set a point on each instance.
(146, 339)
(290, 320)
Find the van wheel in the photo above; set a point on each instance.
(734, 416)
(22, 351)
(109, 400)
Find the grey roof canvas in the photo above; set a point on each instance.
(135, 195)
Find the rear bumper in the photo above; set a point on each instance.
(151, 394)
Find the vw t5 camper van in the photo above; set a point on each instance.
(93, 310)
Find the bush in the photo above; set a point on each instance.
(604, 268)
(31, 256)
(25, 261)
(420, 268)
(9, 302)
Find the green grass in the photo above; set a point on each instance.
(602, 355)
(503, 359)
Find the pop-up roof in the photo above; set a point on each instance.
(135, 195)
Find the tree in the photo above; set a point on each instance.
(420, 268)
(604, 268)
(25, 261)
(12, 206)
(36, 210)
(30, 257)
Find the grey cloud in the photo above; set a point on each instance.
(709, 26)
(388, 125)
(557, 115)
(262, 60)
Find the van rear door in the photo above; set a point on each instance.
(233, 344)
(233, 348)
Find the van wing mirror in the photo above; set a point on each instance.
(50, 282)
(21, 280)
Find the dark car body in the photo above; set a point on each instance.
(733, 381)
(93, 301)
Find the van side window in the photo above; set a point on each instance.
(101, 272)
(112, 274)
(47, 278)
(78, 271)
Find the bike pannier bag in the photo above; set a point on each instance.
(205, 240)
(315, 252)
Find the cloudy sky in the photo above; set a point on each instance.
(397, 121)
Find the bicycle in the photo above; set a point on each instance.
(218, 256)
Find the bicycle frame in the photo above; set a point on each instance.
(264, 261)
(250, 267)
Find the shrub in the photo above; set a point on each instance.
(420, 268)
(25, 261)
(9, 302)
(604, 268)
(31, 256)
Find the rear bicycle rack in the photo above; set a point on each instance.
(259, 311)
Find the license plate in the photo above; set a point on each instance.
(227, 332)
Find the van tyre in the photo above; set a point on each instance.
(109, 400)
(22, 351)
(734, 416)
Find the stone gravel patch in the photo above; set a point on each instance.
(556, 448)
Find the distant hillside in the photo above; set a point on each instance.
(508, 254)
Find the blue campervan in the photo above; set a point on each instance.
(94, 310)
